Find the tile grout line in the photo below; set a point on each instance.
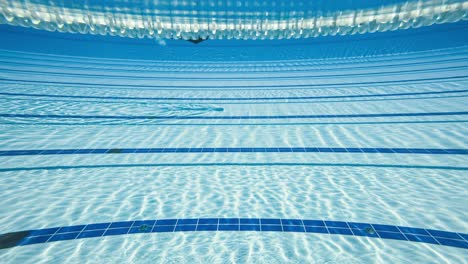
(84, 228)
(53, 234)
(375, 230)
(326, 227)
(432, 236)
(130, 228)
(107, 228)
(153, 226)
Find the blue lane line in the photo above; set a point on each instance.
(230, 164)
(235, 117)
(229, 98)
(323, 76)
(232, 150)
(301, 86)
(437, 237)
(255, 124)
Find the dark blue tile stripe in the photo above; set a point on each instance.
(437, 237)
(231, 98)
(135, 117)
(248, 150)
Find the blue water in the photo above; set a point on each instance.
(323, 142)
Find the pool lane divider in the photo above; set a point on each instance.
(39, 236)
(231, 150)
(248, 117)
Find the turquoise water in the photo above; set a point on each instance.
(366, 128)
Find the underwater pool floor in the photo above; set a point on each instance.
(328, 152)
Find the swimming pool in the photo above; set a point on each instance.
(313, 146)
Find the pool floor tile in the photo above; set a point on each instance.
(116, 231)
(68, 229)
(313, 223)
(207, 228)
(250, 221)
(294, 228)
(228, 227)
(316, 229)
(65, 236)
(144, 222)
(392, 235)
(93, 233)
(166, 222)
(336, 224)
(208, 221)
(187, 221)
(340, 231)
(163, 228)
(184, 228)
(226, 221)
(97, 226)
(270, 221)
(291, 222)
(249, 228)
(121, 224)
(386, 228)
(272, 228)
